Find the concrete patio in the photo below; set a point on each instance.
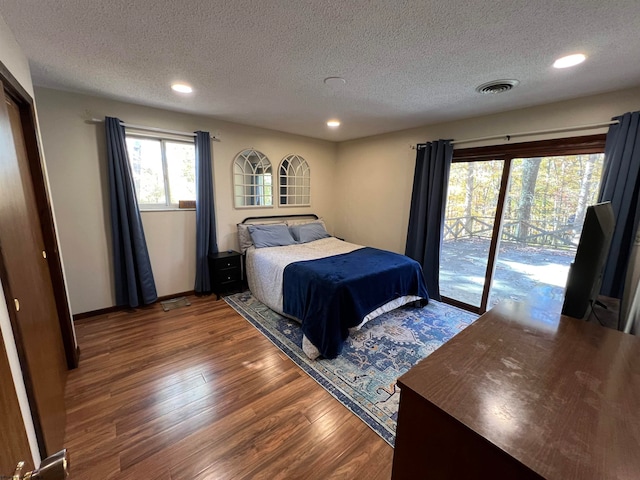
(530, 274)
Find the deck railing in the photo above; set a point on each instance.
(548, 234)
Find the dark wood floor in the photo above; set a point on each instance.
(198, 393)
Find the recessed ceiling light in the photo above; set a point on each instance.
(569, 60)
(335, 81)
(181, 88)
(333, 123)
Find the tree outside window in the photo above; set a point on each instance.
(163, 171)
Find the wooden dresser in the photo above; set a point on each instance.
(519, 397)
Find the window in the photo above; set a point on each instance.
(252, 179)
(513, 219)
(164, 171)
(295, 181)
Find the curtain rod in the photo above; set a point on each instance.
(509, 136)
(154, 129)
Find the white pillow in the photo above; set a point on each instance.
(244, 238)
(305, 221)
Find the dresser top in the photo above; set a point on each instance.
(560, 396)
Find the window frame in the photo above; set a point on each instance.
(167, 206)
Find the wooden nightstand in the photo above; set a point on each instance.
(225, 269)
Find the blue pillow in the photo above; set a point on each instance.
(308, 232)
(270, 235)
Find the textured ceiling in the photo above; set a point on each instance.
(406, 63)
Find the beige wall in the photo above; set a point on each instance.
(362, 187)
(75, 155)
(374, 175)
(14, 60)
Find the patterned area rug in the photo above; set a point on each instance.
(363, 377)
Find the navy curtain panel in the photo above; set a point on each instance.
(132, 268)
(426, 218)
(206, 240)
(621, 185)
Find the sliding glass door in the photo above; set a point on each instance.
(470, 219)
(513, 221)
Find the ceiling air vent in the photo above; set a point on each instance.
(497, 86)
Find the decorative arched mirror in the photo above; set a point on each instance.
(295, 181)
(253, 186)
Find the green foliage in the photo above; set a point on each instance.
(147, 175)
(148, 166)
(557, 194)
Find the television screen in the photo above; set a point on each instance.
(585, 273)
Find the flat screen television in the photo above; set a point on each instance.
(585, 273)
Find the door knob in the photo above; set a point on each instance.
(16, 302)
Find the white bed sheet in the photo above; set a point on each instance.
(265, 269)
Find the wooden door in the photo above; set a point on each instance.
(28, 287)
(13, 436)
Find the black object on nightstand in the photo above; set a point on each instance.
(225, 269)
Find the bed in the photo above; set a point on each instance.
(328, 285)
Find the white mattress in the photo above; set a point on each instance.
(265, 266)
(265, 269)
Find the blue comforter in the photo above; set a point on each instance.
(332, 294)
